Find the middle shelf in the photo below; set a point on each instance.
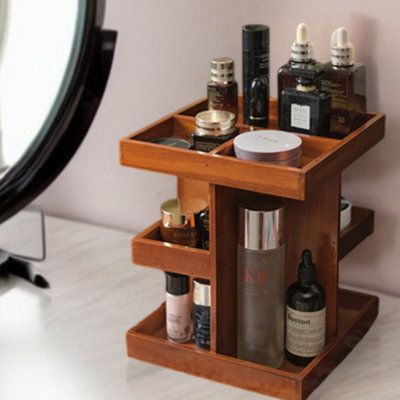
(149, 250)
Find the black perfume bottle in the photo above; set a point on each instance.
(255, 41)
(305, 109)
(305, 315)
(301, 56)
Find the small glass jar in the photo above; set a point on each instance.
(213, 128)
(182, 221)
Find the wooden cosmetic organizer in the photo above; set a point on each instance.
(311, 195)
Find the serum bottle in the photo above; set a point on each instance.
(305, 109)
(178, 306)
(301, 57)
(261, 285)
(305, 315)
(345, 81)
(222, 90)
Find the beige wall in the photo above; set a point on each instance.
(162, 63)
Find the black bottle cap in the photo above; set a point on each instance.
(306, 274)
(177, 284)
(255, 38)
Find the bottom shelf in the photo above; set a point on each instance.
(357, 312)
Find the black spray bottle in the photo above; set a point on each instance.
(305, 315)
(255, 75)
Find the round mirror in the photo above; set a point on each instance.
(40, 46)
(54, 65)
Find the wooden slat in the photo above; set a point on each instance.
(345, 152)
(361, 226)
(146, 341)
(148, 250)
(322, 159)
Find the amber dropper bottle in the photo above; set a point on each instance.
(301, 56)
(305, 314)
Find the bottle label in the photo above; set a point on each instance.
(300, 116)
(305, 332)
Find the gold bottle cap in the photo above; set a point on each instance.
(215, 122)
(178, 214)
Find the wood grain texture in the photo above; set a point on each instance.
(192, 188)
(314, 225)
(146, 341)
(322, 159)
(149, 250)
(361, 226)
(345, 152)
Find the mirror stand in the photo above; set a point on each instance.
(13, 265)
(23, 241)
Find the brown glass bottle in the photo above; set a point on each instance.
(348, 103)
(301, 57)
(345, 81)
(182, 221)
(222, 90)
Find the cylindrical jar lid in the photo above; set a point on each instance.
(177, 284)
(267, 145)
(177, 214)
(222, 70)
(201, 292)
(261, 229)
(215, 122)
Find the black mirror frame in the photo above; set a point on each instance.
(46, 158)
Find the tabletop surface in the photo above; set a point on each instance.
(68, 342)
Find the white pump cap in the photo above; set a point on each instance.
(342, 51)
(302, 48)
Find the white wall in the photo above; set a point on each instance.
(162, 63)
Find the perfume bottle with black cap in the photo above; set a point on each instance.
(255, 75)
(305, 109)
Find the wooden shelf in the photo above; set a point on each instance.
(146, 341)
(149, 250)
(361, 226)
(322, 157)
(311, 197)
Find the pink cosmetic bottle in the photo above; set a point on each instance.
(178, 308)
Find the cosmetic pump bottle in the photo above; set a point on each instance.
(305, 315)
(222, 89)
(345, 81)
(201, 313)
(301, 56)
(305, 109)
(261, 285)
(255, 42)
(178, 307)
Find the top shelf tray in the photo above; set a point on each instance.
(322, 157)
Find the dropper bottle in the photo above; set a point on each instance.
(305, 314)
(301, 56)
(344, 79)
